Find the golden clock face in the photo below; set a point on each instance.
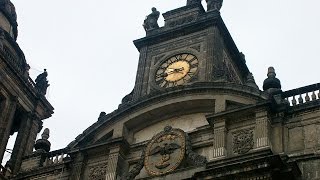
(176, 70)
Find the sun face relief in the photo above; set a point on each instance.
(176, 70)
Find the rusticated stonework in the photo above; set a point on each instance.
(242, 141)
(98, 172)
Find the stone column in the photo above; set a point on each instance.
(219, 144)
(262, 129)
(25, 139)
(7, 111)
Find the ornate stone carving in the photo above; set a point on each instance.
(151, 21)
(196, 159)
(137, 167)
(98, 172)
(182, 21)
(165, 152)
(243, 141)
(197, 48)
(225, 70)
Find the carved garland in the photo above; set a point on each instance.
(98, 172)
(243, 141)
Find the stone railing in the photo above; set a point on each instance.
(302, 95)
(56, 157)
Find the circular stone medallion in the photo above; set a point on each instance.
(165, 152)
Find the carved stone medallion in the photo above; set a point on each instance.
(243, 141)
(165, 152)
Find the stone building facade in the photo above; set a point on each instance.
(23, 105)
(195, 113)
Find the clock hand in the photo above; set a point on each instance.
(176, 69)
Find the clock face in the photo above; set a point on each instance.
(176, 70)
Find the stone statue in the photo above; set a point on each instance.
(189, 2)
(7, 6)
(214, 5)
(42, 82)
(151, 21)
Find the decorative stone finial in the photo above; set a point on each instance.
(271, 84)
(43, 145)
(251, 82)
(46, 134)
(42, 83)
(214, 5)
(151, 21)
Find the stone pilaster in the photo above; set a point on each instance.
(140, 73)
(7, 111)
(219, 144)
(115, 165)
(262, 129)
(77, 167)
(211, 53)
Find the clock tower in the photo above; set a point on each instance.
(194, 46)
(195, 113)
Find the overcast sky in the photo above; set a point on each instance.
(87, 48)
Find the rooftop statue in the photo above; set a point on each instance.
(151, 21)
(9, 8)
(42, 82)
(214, 5)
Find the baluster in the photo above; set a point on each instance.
(287, 101)
(61, 158)
(313, 96)
(56, 159)
(300, 99)
(307, 98)
(294, 101)
(50, 161)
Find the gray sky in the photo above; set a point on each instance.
(87, 48)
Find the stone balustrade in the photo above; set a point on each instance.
(56, 157)
(302, 95)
